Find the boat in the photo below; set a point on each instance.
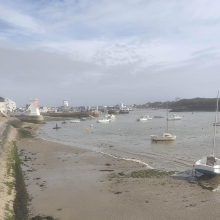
(148, 117)
(83, 119)
(165, 136)
(56, 127)
(217, 123)
(142, 118)
(174, 117)
(75, 121)
(124, 111)
(210, 164)
(104, 120)
(64, 122)
(111, 116)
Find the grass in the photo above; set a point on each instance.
(142, 174)
(9, 213)
(16, 125)
(21, 199)
(20, 204)
(150, 173)
(24, 133)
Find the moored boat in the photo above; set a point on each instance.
(174, 117)
(165, 136)
(210, 164)
(142, 118)
(75, 121)
(104, 120)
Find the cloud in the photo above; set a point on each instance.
(106, 49)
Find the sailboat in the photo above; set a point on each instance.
(210, 164)
(165, 136)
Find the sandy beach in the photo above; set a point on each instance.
(69, 183)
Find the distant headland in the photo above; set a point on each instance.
(185, 105)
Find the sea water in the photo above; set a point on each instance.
(125, 137)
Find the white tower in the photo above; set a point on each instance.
(34, 107)
(65, 103)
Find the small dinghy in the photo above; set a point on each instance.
(56, 127)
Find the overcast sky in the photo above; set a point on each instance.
(102, 52)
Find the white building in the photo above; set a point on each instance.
(7, 105)
(65, 103)
(43, 109)
(10, 105)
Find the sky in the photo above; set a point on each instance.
(103, 52)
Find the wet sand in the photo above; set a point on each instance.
(71, 183)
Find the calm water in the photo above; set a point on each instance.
(131, 139)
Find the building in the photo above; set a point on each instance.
(43, 109)
(65, 103)
(7, 105)
(10, 105)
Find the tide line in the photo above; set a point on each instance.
(127, 159)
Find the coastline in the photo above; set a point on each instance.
(69, 183)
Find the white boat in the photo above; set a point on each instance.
(142, 118)
(175, 117)
(104, 120)
(210, 164)
(165, 136)
(75, 121)
(111, 116)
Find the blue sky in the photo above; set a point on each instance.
(106, 52)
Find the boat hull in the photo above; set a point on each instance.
(207, 169)
(157, 138)
(103, 121)
(202, 167)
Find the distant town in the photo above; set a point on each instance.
(197, 104)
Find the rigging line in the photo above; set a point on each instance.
(215, 125)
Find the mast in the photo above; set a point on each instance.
(215, 125)
(167, 116)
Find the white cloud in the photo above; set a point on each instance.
(105, 44)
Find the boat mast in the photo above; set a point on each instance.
(215, 125)
(167, 116)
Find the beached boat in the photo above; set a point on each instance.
(165, 136)
(104, 120)
(174, 117)
(75, 121)
(210, 164)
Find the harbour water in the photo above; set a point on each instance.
(127, 138)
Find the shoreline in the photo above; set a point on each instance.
(68, 183)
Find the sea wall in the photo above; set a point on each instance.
(39, 119)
